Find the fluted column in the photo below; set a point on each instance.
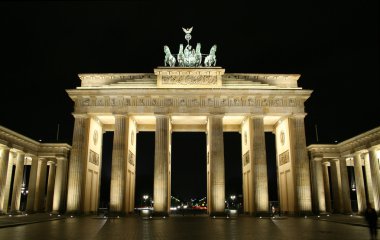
(336, 186)
(75, 191)
(119, 155)
(4, 160)
(161, 190)
(360, 191)
(367, 168)
(7, 188)
(32, 185)
(39, 202)
(217, 179)
(346, 198)
(60, 185)
(375, 175)
(301, 163)
(17, 182)
(50, 188)
(259, 164)
(319, 185)
(326, 183)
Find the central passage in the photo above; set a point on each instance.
(188, 163)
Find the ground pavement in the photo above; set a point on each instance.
(46, 226)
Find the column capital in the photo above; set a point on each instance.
(326, 162)
(120, 114)
(80, 115)
(218, 115)
(4, 146)
(298, 115)
(317, 157)
(161, 115)
(253, 115)
(374, 148)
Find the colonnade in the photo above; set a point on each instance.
(42, 195)
(32, 173)
(365, 162)
(254, 164)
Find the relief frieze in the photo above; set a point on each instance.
(94, 158)
(190, 101)
(283, 158)
(189, 80)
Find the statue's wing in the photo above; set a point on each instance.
(187, 31)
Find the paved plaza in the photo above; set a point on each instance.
(44, 226)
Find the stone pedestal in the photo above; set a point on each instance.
(189, 77)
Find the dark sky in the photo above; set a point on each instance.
(334, 45)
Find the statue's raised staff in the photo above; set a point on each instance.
(169, 59)
(210, 60)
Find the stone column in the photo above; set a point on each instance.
(259, 164)
(375, 175)
(161, 166)
(39, 202)
(346, 199)
(319, 185)
(119, 155)
(301, 163)
(4, 161)
(75, 191)
(216, 151)
(60, 185)
(7, 188)
(367, 167)
(359, 181)
(326, 183)
(32, 185)
(50, 188)
(336, 186)
(17, 182)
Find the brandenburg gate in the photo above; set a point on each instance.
(190, 97)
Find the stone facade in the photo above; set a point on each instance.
(356, 152)
(19, 151)
(192, 99)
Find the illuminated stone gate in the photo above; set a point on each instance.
(185, 99)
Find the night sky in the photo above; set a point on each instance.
(334, 45)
